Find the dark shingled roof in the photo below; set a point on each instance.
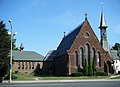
(65, 44)
(50, 55)
(115, 54)
(67, 41)
(27, 56)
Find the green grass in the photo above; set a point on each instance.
(32, 77)
(25, 77)
(71, 78)
(116, 77)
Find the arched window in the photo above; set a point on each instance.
(81, 57)
(76, 58)
(98, 59)
(29, 65)
(22, 65)
(32, 65)
(93, 54)
(26, 65)
(18, 65)
(87, 49)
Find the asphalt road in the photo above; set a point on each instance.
(65, 84)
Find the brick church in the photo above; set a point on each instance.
(78, 46)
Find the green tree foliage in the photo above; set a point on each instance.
(14, 42)
(14, 46)
(4, 49)
(93, 66)
(86, 68)
(90, 70)
(116, 46)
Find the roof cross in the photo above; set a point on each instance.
(85, 16)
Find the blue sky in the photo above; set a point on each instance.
(40, 23)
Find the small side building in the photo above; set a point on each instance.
(26, 62)
(115, 54)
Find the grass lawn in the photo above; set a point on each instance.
(25, 77)
(32, 77)
(71, 78)
(118, 77)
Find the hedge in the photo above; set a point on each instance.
(77, 74)
(102, 74)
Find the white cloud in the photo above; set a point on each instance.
(22, 9)
(117, 29)
(67, 18)
(37, 3)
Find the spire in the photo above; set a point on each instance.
(85, 16)
(64, 34)
(102, 22)
(21, 47)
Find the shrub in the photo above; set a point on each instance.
(86, 69)
(94, 66)
(102, 74)
(16, 72)
(1, 79)
(77, 74)
(90, 70)
(118, 72)
(7, 77)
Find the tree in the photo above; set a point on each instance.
(86, 68)
(90, 70)
(93, 66)
(116, 46)
(14, 42)
(4, 50)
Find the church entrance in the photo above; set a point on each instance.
(108, 68)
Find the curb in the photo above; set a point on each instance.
(50, 81)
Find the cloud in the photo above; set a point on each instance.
(66, 18)
(117, 29)
(36, 3)
(22, 9)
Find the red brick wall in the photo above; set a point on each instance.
(28, 70)
(65, 64)
(81, 40)
(61, 65)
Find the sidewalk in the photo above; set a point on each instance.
(114, 76)
(43, 81)
(111, 78)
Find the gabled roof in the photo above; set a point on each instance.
(114, 54)
(27, 56)
(50, 55)
(67, 41)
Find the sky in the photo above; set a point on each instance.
(40, 23)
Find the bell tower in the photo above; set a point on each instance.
(103, 33)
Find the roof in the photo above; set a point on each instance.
(65, 44)
(103, 22)
(27, 56)
(67, 41)
(115, 54)
(50, 55)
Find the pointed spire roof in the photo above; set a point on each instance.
(21, 47)
(102, 21)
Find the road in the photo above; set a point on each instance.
(65, 84)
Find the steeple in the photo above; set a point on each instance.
(21, 47)
(102, 22)
(85, 16)
(103, 26)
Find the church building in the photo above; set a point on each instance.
(78, 47)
